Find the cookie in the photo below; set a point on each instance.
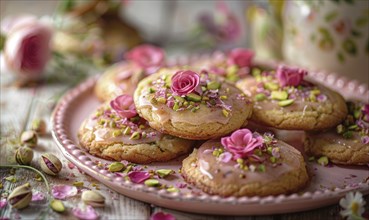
(284, 100)
(116, 132)
(123, 77)
(348, 143)
(232, 65)
(246, 164)
(191, 105)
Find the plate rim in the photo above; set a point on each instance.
(82, 159)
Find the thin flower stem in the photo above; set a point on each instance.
(31, 168)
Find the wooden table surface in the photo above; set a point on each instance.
(19, 106)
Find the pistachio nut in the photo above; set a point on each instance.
(50, 164)
(29, 138)
(93, 198)
(116, 167)
(39, 126)
(21, 196)
(24, 155)
(57, 205)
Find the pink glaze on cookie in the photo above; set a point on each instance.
(177, 98)
(258, 165)
(120, 123)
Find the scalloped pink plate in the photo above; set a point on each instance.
(327, 186)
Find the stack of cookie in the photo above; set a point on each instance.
(156, 112)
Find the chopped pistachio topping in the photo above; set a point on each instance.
(162, 100)
(164, 172)
(172, 189)
(193, 97)
(116, 167)
(151, 90)
(176, 106)
(260, 97)
(152, 182)
(285, 103)
(225, 113)
(213, 85)
(78, 184)
(179, 98)
(273, 159)
(127, 131)
(347, 134)
(323, 161)
(261, 168)
(223, 97)
(135, 136)
(271, 86)
(340, 129)
(279, 95)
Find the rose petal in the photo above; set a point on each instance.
(138, 176)
(63, 191)
(37, 196)
(181, 185)
(85, 213)
(162, 216)
(123, 105)
(3, 203)
(147, 56)
(225, 157)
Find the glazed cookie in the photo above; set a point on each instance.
(190, 105)
(123, 77)
(348, 143)
(116, 132)
(119, 79)
(246, 164)
(232, 65)
(284, 100)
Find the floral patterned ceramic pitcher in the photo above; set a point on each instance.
(329, 35)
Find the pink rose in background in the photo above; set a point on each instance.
(240, 57)
(223, 25)
(184, 82)
(147, 56)
(289, 76)
(27, 48)
(123, 105)
(242, 143)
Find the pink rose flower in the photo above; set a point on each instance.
(147, 56)
(242, 143)
(184, 82)
(123, 105)
(240, 57)
(289, 76)
(27, 48)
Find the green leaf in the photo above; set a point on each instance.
(2, 42)
(349, 46)
(361, 21)
(331, 16)
(66, 5)
(355, 33)
(340, 57)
